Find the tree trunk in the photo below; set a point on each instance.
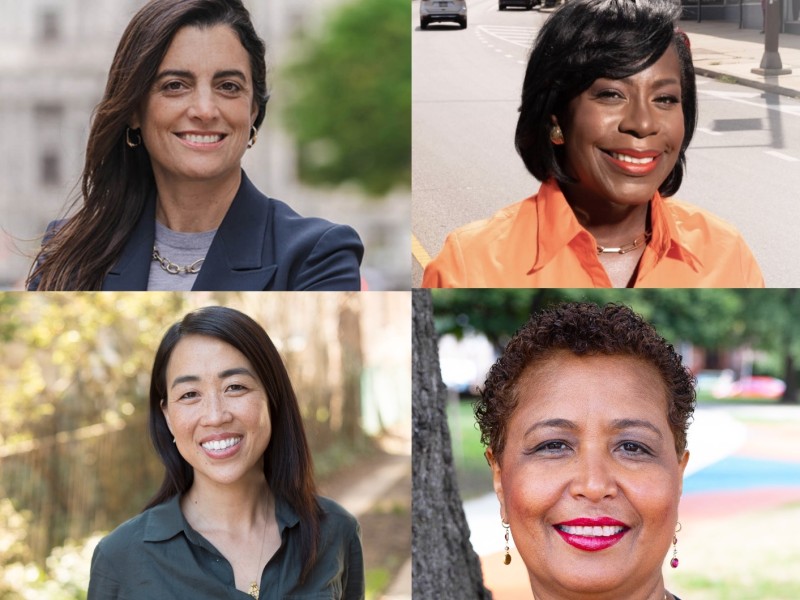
(445, 567)
(789, 371)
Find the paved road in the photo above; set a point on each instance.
(744, 163)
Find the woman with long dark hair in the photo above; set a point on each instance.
(237, 513)
(164, 203)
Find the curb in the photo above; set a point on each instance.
(770, 88)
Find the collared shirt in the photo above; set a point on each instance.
(539, 243)
(158, 556)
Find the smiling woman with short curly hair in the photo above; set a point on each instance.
(585, 417)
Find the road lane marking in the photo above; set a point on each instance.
(419, 252)
(709, 131)
(741, 98)
(782, 156)
(519, 36)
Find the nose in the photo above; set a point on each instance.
(215, 413)
(639, 118)
(594, 476)
(203, 105)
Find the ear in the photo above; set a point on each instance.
(135, 122)
(682, 466)
(497, 481)
(166, 415)
(254, 113)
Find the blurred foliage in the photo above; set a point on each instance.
(765, 319)
(349, 98)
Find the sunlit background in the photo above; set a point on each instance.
(75, 456)
(335, 142)
(740, 509)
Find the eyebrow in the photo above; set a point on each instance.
(616, 424)
(221, 375)
(189, 75)
(658, 83)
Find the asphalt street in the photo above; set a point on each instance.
(743, 164)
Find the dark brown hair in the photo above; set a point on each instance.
(117, 180)
(583, 329)
(583, 41)
(287, 459)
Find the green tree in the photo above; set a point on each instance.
(349, 98)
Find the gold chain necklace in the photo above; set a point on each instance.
(255, 590)
(637, 243)
(174, 269)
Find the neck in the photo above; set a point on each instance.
(195, 206)
(610, 223)
(654, 590)
(229, 507)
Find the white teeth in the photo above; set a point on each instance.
(591, 531)
(221, 444)
(201, 139)
(631, 159)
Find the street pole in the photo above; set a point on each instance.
(771, 61)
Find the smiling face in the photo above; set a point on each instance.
(589, 480)
(216, 408)
(623, 137)
(196, 119)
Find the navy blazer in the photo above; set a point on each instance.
(261, 244)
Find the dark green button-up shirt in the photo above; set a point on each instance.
(158, 556)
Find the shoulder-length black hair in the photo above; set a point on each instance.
(117, 180)
(588, 39)
(287, 459)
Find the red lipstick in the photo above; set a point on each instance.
(633, 168)
(592, 534)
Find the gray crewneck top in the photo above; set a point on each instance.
(182, 249)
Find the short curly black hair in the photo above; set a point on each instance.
(583, 329)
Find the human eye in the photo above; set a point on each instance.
(236, 388)
(668, 99)
(550, 448)
(173, 86)
(189, 397)
(635, 449)
(230, 87)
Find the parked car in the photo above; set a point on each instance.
(526, 4)
(439, 11)
(757, 386)
(715, 382)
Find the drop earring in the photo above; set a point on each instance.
(556, 135)
(507, 557)
(674, 562)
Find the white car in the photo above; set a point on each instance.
(437, 11)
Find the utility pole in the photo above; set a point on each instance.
(771, 61)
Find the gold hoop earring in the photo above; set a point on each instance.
(128, 141)
(253, 136)
(507, 557)
(556, 135)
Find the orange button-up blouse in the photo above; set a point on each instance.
(539, 243)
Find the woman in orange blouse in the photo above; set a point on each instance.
(609, 106)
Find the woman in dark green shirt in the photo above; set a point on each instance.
(236, 515)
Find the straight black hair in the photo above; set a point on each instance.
(287, 458)
(583, 41)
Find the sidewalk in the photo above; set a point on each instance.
(723, 51)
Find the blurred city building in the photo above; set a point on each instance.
(54, 60)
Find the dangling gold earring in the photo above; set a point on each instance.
(128, 137)
(253, 136)
(507, 558)
(556, 135)
(674, 562)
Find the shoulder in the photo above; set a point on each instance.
(118, 543)
(688, 217)
(479, 242)
(336, 517)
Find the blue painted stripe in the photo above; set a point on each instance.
(735, 473)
